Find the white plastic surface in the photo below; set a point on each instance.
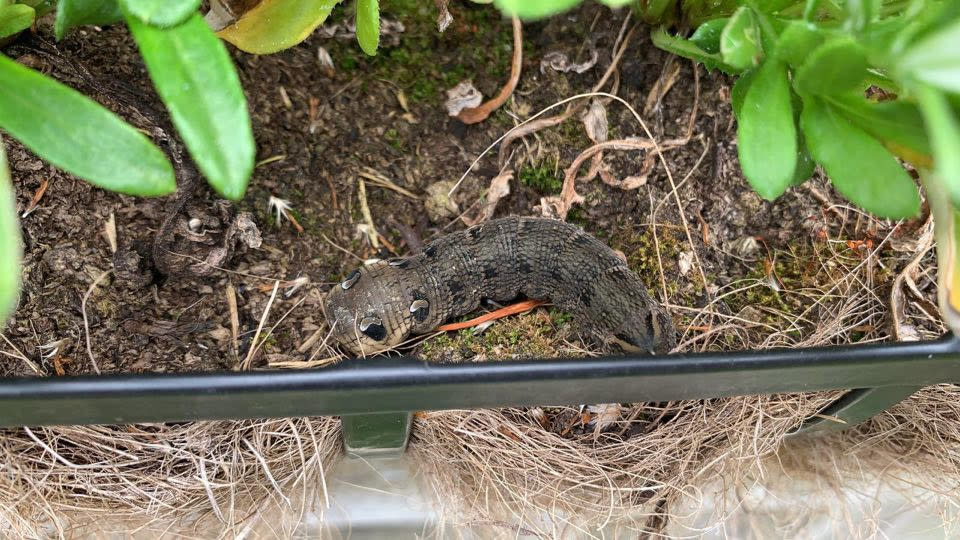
(385, 498)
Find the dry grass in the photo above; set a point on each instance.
(193, 478)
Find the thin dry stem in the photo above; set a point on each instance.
(86, 322)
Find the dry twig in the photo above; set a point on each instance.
(86, 322)
(480, 113)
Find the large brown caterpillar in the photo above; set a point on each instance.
(381, 304)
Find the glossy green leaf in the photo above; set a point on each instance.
(196, 80)
(74, 13)
(898, 122)
(859, 166)
(837, 66)
(935, 60)
(160, 13)
(15, 18)
(275, 25)
(688, 49)
(796, 42)
(740, 40)
(707, 35)
(10, 244)
(616, 3)
(78, 135)
(368, 25)
(944, 128)
(766, 132)
(535, 9)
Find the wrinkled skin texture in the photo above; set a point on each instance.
(382, 304)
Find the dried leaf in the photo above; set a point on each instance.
(559, 61)
(746, 246)
(604, 415)
(462, 96)
(685, 262)
(554, 207)
(630, 182)
(438, 204)
(633, 182)
(110, 232)
(326, 62)
(908, 332)
(36, 198)
(443, 18)
(540, 416)
(499, 188)
(595, 122)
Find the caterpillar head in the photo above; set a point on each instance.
(649, 331)
(375, 307)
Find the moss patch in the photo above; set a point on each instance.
(640, 248)
(543, 177)
(532, 335)
(414, 64)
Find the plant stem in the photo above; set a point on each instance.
(946, 220)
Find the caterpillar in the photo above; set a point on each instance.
(381, 304)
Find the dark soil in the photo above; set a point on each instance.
(181, 322)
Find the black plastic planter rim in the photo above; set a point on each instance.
(879, 374)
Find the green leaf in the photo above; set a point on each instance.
(78, 135)
(10, 244)
(740, 40)
(74, 13)
(766, 132)
(859, 166)
(368, 25)
(41, 7)
(837, 66)
(688, 49)
(196, 80)
(657, 11)
(14, 19)
(810, 10)
(944, 129)
(860, 13)
(160, 13)
(616, 3)
(796, 42)
(275, 25)
(707, 36)
(898, 122)
(805, 163)
(935, 60)
(534, 9)
(739, 91)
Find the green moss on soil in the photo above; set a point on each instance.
(543, 177)
(426, 62)
(537, 334)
